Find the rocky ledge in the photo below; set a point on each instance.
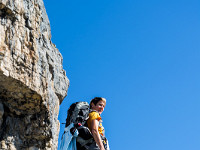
(32, 80)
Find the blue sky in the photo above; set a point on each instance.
(143, 57)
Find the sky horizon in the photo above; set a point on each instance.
(143, 57)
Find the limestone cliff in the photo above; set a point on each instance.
(32, 80)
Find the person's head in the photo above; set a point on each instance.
(98, 104)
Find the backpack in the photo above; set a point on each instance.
(78, 113)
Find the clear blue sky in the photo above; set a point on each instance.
(143, 56)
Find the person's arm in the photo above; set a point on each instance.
(95, 133)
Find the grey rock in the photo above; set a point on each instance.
(32, 81)
(1, 110)
(1, 114)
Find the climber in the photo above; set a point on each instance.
(94, 123)
(83, 128)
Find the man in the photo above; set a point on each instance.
(94, 123)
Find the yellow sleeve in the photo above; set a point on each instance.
(94, 115)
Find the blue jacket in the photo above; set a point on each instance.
(68, 141)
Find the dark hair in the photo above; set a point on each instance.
(96, 100)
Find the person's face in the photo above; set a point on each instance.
(99, 106)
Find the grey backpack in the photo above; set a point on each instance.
(78, 113)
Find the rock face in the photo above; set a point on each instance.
(32, 80)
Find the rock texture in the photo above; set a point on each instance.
(32, 80)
